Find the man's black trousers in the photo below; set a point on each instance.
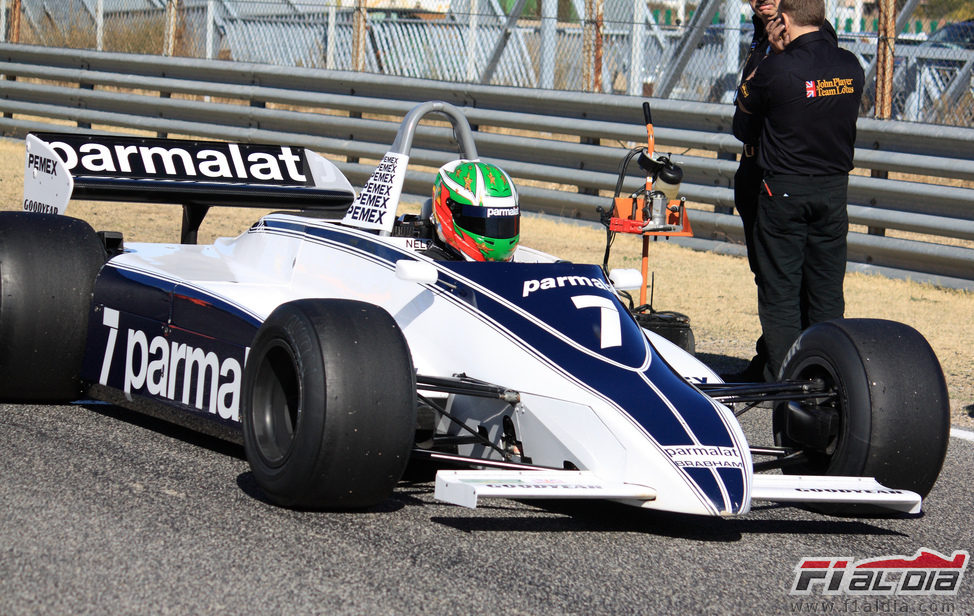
(800, 249)
(747, 184)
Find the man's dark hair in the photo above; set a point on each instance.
(804, 12)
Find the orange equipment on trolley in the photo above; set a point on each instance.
(657, 209)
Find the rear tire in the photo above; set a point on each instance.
(329, 405)
(891, 415)
(48, 266)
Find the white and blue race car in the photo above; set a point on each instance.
(336, 351)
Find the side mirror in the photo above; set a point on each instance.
(626, 279)
(419, 272)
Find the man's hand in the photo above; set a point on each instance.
(778, 35)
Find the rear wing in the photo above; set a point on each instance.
(195, 174)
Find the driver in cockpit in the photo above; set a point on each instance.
(475, 213)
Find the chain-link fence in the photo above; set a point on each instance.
(617, 46)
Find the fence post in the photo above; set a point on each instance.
(635, 80)
(210, 28)
(884, 58)
(3, 36)
(100, 25)
(731, 47)
(358, 36)
(169, 44)
(592, 44)
(330, 42)
(15, 22)
(472, 33)
(549, 30)
(884, 77)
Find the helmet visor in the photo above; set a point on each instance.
(499, 223)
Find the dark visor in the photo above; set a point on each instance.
(474, 219)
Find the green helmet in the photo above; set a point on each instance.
(475, 210)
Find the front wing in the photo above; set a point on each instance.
(466, 487)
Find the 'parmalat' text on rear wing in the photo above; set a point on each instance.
(195, 174)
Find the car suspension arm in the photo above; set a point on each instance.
(766, 392)
(462, 384)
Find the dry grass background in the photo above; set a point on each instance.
(716, 291)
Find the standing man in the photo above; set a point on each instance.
(805, 102)
(747, 180)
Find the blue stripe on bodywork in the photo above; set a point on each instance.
(202, 312)
(735, 481)
(151, 296)
(696, 409)
(705, 479)
(139, 294)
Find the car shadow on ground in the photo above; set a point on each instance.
(248, 485)
(567, 515)
(605, 516)
(166, 428)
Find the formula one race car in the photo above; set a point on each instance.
(332, 346)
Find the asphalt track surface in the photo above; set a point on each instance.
(106, 512)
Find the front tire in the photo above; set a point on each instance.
(329, 405)
(890, 417)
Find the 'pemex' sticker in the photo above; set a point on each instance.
(375, 207)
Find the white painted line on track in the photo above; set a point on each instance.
(967, 435)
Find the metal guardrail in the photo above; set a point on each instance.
(616, 46)
(538, 136)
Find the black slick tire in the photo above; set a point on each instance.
(892, 409)
(328, 405)
(48, 266)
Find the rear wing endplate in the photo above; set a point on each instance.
(195, 174)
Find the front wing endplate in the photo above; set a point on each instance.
(826, 489)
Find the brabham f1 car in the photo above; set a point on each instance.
(329, 344)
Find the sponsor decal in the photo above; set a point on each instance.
(849, 490)
(515, 484)
(502, 211)
(829, 87)
(704, 457)
(925, 573)
(417, 243)
(544, 284)
(376, 205)
(176, 371)
(40, 208)
(42, 164)
(180, 160)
